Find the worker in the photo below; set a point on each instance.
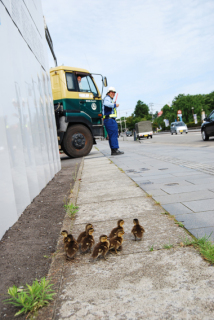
(110, 114)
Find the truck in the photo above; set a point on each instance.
(144, 129)
(78, 109)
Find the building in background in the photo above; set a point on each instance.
(29, 156)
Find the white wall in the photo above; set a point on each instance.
(29, 156)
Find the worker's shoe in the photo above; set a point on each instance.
(116, 152)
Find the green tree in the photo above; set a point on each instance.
(141, 109)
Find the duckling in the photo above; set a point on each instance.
(64, 233)
(137, 230)
(113, 233)
(116, 242)
(84, 233)
(101, 247)
(71, 246)
(88, 241)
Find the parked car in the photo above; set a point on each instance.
(207, 127)
(178, 127)
(128, 133)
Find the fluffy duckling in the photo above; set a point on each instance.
(113, 233)
(88, 241)
(71, 246)
(137, 230)
(84, 233)
(64, 233)
(101, 247)
(116, 242)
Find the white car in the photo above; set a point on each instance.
(178, 127)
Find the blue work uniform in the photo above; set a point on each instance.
(109, 122)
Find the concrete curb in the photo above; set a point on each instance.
(57, 265)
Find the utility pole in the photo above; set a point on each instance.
(151, 107)
(125, 124)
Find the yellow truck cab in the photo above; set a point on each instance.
(78, 109)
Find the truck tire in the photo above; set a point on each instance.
(63, 149)
(78, 141)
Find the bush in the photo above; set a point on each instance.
(193, 124)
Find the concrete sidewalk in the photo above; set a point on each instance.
(180, 178)
(137, 283)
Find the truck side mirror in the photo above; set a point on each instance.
(105, 82)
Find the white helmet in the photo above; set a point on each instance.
(111, 89)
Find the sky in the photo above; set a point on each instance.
(149, 50)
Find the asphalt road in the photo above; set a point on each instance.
(178, 171)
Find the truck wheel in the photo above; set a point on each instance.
(151, 137)
(78, 141)
(148, 137)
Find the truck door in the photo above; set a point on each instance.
(89, 101)
(72, 104)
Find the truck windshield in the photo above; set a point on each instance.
(92, 86)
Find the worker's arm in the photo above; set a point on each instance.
(108, 102)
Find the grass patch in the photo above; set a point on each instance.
(30, 298)
(203, 245)
(71, 209)
(165, 213)
(168, 246)
(121, 169)
(152, 248)
(179, 224)
(157, 203)
(149, 195)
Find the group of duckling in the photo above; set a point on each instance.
(85, 240)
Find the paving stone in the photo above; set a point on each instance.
(201, 205)
(148, 185)
(109, 194)
(198, 220)
(183, 197)
(176, 208)
(186, 188)
(202, 232)
(115, 209)
(192, 173)
(157, 192)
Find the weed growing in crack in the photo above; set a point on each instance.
(71, 209)
(30, 298)
(152, 248)
(179, 224)
(149, 195)
(168, 246)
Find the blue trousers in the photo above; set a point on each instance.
(112, 129)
